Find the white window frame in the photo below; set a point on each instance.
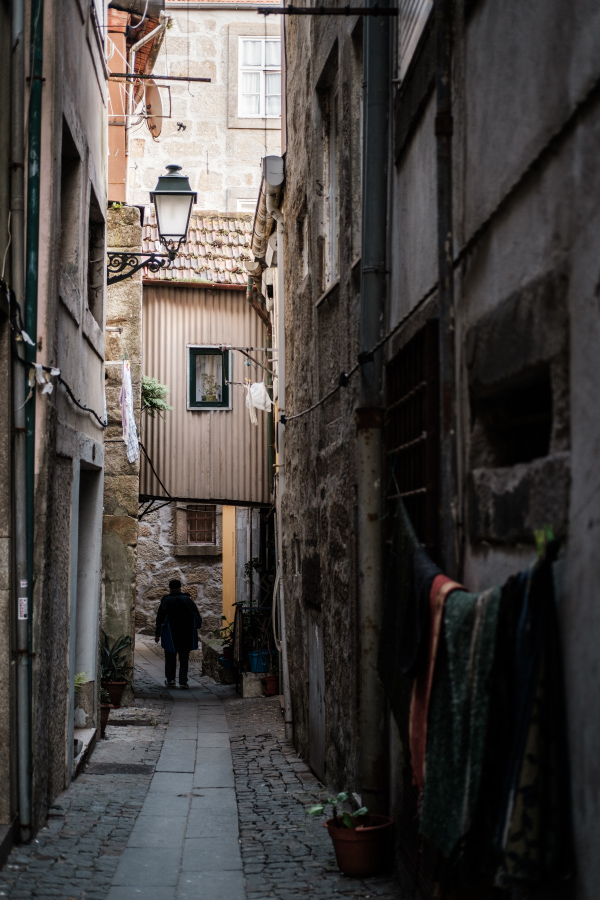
(262, 70)
(240, 203)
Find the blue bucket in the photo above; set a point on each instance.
(226, 663)
(259, 660)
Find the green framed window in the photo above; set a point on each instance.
(208, 374)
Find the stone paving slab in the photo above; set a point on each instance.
(209, 885)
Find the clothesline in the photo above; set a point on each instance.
(487, 720)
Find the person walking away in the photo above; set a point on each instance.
(177, 624)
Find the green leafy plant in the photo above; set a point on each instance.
(116, 205)
(346, 819)
(113, 659)
(253, 565)
(153, 397)
(104, 696)
(80, 679)
(225, 632)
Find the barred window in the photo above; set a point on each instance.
(202, 524)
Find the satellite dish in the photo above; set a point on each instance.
(154, 110)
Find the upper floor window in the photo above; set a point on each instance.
(208, 374)
(259, 78)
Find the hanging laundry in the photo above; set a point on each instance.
(260, 396)
(257, 397)
(441, 588)
(250, 404)
(127, 417)
(534, 837)
(458, 717)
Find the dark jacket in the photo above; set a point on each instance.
(177, 623)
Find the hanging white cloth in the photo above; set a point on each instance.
(250, 404)
(127, 417)
(260, 396)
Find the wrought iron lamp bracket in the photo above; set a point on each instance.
(123, 265)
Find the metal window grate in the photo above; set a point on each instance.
(412, 435)
(201, 524)
(412, 432)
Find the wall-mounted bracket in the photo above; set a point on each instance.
(123, 265)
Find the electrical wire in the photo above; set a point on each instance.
(154, 472)
(363, 358)
(17, 327)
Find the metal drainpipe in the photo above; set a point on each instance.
(369, 414)
(21, 590)
(130, 86)
(274, 211)
(447, 346)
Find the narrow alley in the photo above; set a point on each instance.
(193, 794)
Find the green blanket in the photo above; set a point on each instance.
(458, 717)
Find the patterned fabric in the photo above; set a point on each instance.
(128, 419)
(458, 717)
(441, 588)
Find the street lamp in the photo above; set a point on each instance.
(173, 200)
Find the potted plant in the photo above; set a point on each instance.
(362, 841)
(114, 666)
(211, 388)
(105, 708)
(270, 682)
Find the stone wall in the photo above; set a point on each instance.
(159, 559)
(220, 152)
(121, 485)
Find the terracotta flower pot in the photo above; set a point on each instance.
(105, 709)
(365, 850)
(115, 691)
(270, 685)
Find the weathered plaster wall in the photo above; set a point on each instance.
(158, 562)
(527, 310)
(220, 152)
(121, 486)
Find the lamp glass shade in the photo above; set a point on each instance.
(173, 214)
(173, 200)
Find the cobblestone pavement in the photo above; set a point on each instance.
(286, 854)
(75, 856)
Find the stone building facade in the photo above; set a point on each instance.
(524, 268)
(219, 149)
(122, 478)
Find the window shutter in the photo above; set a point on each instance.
(411, 22)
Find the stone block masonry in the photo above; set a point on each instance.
(158, 561)
(220, 152)
(121, 484)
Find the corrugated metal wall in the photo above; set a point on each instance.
(203, 455)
